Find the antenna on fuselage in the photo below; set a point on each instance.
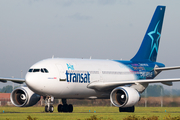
(52, 56)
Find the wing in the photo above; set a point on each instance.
(15, 80)
(110, 85)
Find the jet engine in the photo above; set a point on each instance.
(124, 97)
(24, 97)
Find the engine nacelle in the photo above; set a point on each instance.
(24, 97)
(124, 97)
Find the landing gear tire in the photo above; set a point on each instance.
(51, 109)
(127, 109)
(60, 108)
(70, 108)
(46, 109)
(65, 107)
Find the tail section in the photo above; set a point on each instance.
(149, 46)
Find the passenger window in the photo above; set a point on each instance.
(30, 70)
(36, 70)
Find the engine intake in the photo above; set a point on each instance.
(124, 97)
(24, 97)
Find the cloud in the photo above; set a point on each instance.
(113, 2)
(68, 2)
(78, 16)
(106, 2)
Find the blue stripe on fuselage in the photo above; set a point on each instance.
(143, 70)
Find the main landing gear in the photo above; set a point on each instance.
(64, 107)
(127, 109)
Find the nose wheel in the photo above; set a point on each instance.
(64, 107)
(48, 104)
(50, 109)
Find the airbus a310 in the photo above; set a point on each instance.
(120, 81)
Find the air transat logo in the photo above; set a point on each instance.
(155, 36)
(83, 77)
(70, 67)
(77, 76)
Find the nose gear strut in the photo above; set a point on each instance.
(49, 104)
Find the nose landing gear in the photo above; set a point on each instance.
(48, 104)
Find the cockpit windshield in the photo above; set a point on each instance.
(36, 70)
(43, 70)
(30, 70)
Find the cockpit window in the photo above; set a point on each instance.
(30, 70)
(46, 70)
(43, 70)
(36, 70)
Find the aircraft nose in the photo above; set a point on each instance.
(32, 81)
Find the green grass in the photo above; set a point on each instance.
(17, 113)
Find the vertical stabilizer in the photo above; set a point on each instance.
(149, 46)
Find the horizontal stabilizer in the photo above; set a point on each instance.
(166, 68)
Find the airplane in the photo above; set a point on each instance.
(118, 80)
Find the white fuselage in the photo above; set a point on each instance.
(68, 78)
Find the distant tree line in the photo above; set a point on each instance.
(173, 92)
(158, 90)
(6, 89)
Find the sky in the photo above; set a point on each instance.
(32, 30)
